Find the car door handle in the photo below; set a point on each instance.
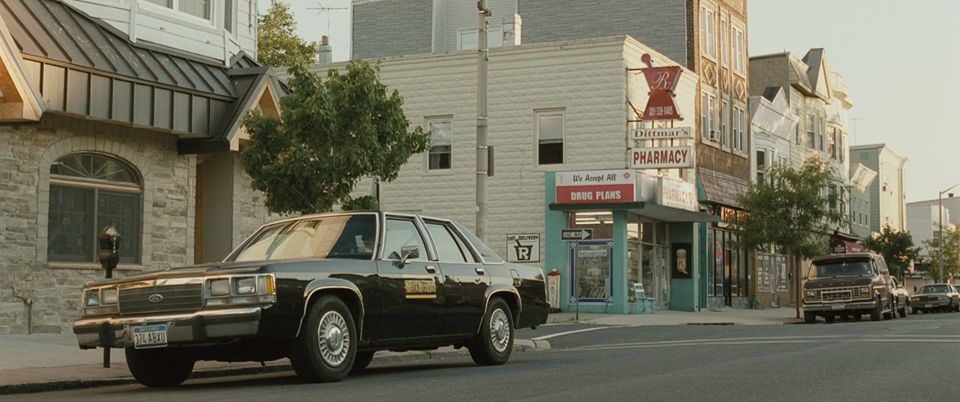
(431, 269)
(480, 270)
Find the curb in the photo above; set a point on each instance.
(520, 345)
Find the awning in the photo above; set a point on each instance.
(649, 210)
(721, 188)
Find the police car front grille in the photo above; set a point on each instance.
(174, 298)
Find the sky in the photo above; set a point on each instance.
(897, 59)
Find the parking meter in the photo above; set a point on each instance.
(109, 245)
(108, 242)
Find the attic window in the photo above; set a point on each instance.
(196, 8)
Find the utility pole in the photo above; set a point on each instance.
(482, 153)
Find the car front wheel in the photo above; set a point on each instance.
(327, 345)
(166, 367)
(494, 344)
(362, 361)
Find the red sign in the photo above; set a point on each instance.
(593, 187)
(662, 82)
(595, 194)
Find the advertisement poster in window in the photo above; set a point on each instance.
(592, 271)
(682, 261)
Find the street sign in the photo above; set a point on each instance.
(576, 234)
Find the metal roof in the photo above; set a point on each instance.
(83, 66)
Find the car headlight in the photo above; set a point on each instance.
(864, 290)
(109, 296)
(246, 286)
(811, 293)
(91, 297)
(220, 287)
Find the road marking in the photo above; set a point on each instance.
(545, 337)
(832, 339)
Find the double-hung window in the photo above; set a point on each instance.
(739, 56)
(196, 8)
(708, 30)
(811, 131)
(549, 130)
(708, 118)
(88, 192)
(739, 122)
(441, 143)
(725, 122)
(467, 38)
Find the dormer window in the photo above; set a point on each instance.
(196, 8)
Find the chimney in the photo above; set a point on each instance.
(325, 55)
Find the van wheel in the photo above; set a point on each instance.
(327, 346)
(877, 311)
(892, 313)
(829, 318)
(809, 318)
(903, 311)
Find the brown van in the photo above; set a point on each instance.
(848, 285)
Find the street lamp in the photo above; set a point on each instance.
(940, 227)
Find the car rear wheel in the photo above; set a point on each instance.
(327, 346)
(166, 367)
(494, 344)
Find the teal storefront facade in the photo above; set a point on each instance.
(641, 256)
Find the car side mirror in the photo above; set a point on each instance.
(408, 253)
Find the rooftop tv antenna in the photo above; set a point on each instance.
(322, 8)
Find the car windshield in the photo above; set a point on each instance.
(935, 289)
(840, 269)
(339, 236)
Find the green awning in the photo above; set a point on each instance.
(646, 209)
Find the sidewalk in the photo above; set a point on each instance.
(45, 362)
(727, 316)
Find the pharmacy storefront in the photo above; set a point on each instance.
(623, 242)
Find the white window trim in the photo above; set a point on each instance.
(740, 130)
(710, 11)
(175, 15)
(725, 38)
(536, 135)
(739, 60)
(710, 125)
(426, 164)
(726, 136)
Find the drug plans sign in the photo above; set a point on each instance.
(596, 187)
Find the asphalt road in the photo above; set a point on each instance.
(905, 359)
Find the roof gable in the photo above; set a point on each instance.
(18, 101)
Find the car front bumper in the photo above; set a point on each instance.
(916, 304)
(197, 327)
(839, 307)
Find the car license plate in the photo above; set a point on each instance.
(928, 305)
(837, 307)
(150, 336)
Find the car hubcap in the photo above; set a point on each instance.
(499, 330)
(333, 338)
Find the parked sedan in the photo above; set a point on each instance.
(327, 291)
(936, 297)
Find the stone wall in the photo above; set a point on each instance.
(26, 153)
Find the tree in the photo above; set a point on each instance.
(896, 247)
(789, 212)
(277, 44)
(331, 134)
(948, 253)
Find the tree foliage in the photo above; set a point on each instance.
(896, 247)
(790, 212)
(949, 253)
(333, 132)
(277, 43)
